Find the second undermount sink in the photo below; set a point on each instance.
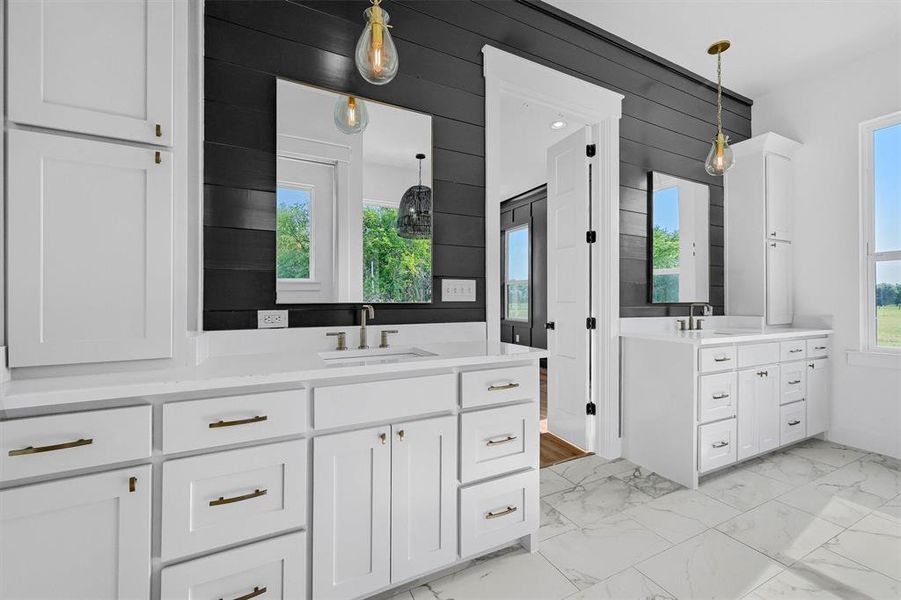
(371, 356)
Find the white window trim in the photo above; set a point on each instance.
(868, 256)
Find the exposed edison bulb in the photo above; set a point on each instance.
(376, 54)
(351, 115)
(720, 158)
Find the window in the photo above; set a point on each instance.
(666, 245)
(395, 269)
(881, 199)
(294, 229)
(516, 274)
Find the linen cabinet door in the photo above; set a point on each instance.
(102, 67)
(819, 382)
(90, 251)
(779, 193)
(85, 538)
(351, 513)
(424, 496)
(779, 305)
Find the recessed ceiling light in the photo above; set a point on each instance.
(558, 124)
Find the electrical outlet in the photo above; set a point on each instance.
(458, 290)
(272, 319)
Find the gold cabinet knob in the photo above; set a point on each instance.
(383, 437)
(400, 435)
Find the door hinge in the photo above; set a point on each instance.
(591, 150)
(591, 323)
(591, 236)
(591, 409)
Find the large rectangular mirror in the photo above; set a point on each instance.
(354, 199)
(679, 245)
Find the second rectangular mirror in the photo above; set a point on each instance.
(354, 199)
(679, 245)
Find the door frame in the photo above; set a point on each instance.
(507, 74)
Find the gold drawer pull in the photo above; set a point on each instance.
(158, 130)
(506, 386)
(506, 511)
(720, 396)
(721, 359)
(257, 591)
(63, 446)
(256, 419)
(507, 439)
(719, 444)
(254, 494)
(794, 382)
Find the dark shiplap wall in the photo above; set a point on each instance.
(667, 122)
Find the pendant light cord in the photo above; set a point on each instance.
(719, 93)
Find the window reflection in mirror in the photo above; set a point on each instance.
(679, 245)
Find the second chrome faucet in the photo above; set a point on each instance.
(367, 311)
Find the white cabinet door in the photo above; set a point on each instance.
(103, 67)
(86, 538)
(767, 396)
(819, 384)
(424, 496)
(351, 513)
(90, 251)
(779, 196)
(779, 307)
(758, 410)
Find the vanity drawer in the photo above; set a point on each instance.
(794, 422)
(57, 443)
(793, 350)
(717, 397)
(716, 445)
(498, 440)
(217, 499)
(758, 354)
(495, 386)
(274, 570)
(212, 422)
(793, 382)
(356, 403)
(498, 511)
(819, 347)
(721, 358)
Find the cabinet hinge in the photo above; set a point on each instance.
(591, 236)
(591, 150)
(591, 323)
(591, 409)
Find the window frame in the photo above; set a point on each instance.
(506, 251)
(868, 254)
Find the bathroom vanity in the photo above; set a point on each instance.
(698, 401)
(329, 475)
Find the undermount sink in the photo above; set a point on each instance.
(372, 356)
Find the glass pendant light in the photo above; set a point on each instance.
(351, 115)
(720, 158)
(414, 216)
(376, 55)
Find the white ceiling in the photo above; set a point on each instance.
(773, 41)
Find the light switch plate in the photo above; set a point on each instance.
(458, 290)
(272, 319)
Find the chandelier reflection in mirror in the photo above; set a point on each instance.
(414, 216)
(376, 54)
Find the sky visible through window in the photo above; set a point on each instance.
(518, 254)
(666, 208)
(887, 178)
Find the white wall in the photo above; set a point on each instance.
(823, 113)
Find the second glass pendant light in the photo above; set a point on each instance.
(376, 55)
(351, 115)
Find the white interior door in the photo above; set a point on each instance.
(569, 287)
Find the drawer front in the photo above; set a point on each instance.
(819, 347)
(357, 403)
(494, 386)
(717, 359)
(272, 570)
(57, 443)
(758, 354)
(716, 445)
(215, 422)
(218, 499)
(793, 350)
(718, 394)
(793, 382)
(498, 440)
(794, 422)
(499, 511)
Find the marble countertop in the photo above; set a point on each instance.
(235, 371)
(728, 335)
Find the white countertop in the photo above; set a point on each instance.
(728, 335)
(235, 371)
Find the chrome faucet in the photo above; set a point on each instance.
(695, 324)
(365, 311)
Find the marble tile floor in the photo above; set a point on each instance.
(817, 520)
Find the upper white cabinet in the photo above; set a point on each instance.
(90, 251)
(102, 67)
(86, 537)
(760, 192)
